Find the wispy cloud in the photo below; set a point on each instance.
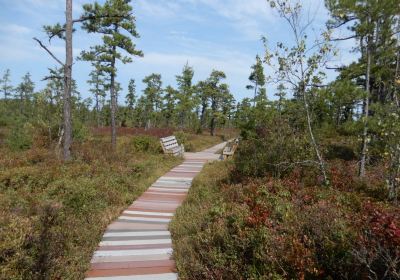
(250, 17)
(14, 28)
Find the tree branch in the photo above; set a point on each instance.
(52, 77)
(48, 51)
(344, 39)
(84, 18)
(335, 67)
(343, 22)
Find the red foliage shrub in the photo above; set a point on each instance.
(377, 249)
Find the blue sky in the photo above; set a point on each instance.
(208, 34)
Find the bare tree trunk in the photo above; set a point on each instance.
(113, 106)
(67, 83)
(255, 94)
(212, 129)
(361, 171)
(321, 161)
(97, 111)
(397, 79)
(203, 114)
(147, 125)
(212, 125)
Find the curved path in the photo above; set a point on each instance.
(137, 245)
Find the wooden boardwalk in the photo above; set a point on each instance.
(138, 246)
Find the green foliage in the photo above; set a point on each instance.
(184, 95)
(5, 85)
(80, 131)
(110, 19)
(145, 143)
(270, 153)
(181, 136)
(20, 137)
(257, 77)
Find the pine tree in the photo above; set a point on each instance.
(184, 97)
(25, 91)
(6, 87)
(130, 98)
(117, 32)
(216, 93)
(257, 78)
(98, 90)
(371, 23)
(202, 93)
(153, 98)
(169, 104)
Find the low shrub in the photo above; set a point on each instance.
(144, 143)
(49, 209)
(343, 152)
(269, 155)
(272, 228)
(19, 138)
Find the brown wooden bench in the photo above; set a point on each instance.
(230, 148)
(170, 146)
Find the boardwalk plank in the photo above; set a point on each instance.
(137, 245)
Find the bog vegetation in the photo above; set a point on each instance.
(312, 192)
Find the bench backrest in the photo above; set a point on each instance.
(169, 143)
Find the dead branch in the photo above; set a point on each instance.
(48, 51)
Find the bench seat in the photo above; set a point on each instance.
(230, 148)
(170, 146)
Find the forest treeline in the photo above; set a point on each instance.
(206, 105)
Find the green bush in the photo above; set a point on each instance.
(182, 137)
(268, 154)
(80, 131)
(19, 138)
(145, 143)
(336, 151)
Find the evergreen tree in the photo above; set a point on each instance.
(372, 24)
(6, 87)
(152, 94)
(202, 93)
(169, 104)
(117, 32)
(98, 90)
(216, 92)
(25, 91)
(130, 98)
(185, 101)
(257, 78)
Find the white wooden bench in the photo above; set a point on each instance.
(230, 148)
(170, 146)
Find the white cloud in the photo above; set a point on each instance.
(153, 9)
(247, 17)
(15, 29)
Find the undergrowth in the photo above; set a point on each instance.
(52, 215)
(288, 228)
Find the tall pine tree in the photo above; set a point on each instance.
(118, 32)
